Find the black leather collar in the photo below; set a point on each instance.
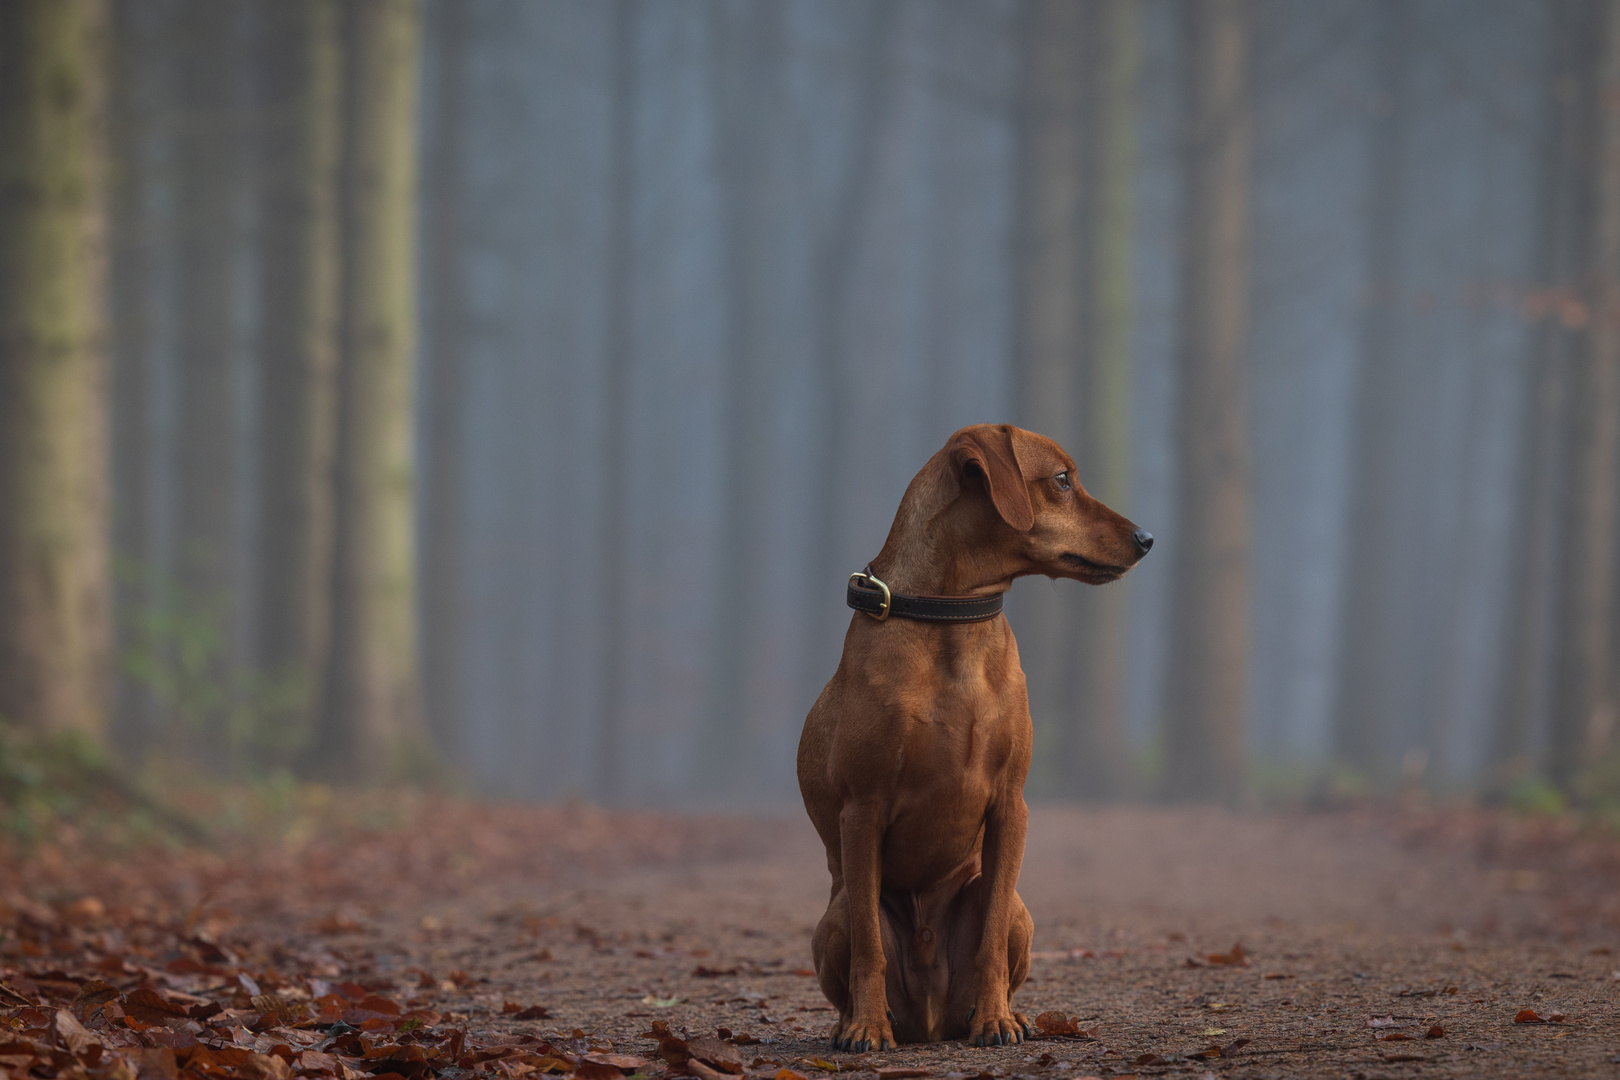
(872, 597)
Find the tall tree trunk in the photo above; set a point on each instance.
(1569, 99)
(1053, 285)
(615, 463)
(1362, 704)
(1097, 755)
(208, 179)
(372, 714)
(443, 577)
(53, 452)
(298, 152)
(836, 247)
(745, 60)
(134, 125)
(1583, 689)
(1209, 648)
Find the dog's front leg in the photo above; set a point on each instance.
(866, 1027)
(993, 1022)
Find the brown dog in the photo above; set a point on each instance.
(913, 759)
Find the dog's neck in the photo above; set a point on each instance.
(932, 549)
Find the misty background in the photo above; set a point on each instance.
(685, 294)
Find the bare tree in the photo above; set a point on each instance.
(1053, 283)
(1363, 701)
(136, 128)
(443, 600)
(371, 718)
(53, 452)
(1583, 704)
(208, 184)
(297, 167)
(1209, 652)
(745, 60)
(1568, 101)
(615, 544)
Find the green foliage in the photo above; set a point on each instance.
(176, 648)
(52, 781)
(1598, 788)
(1534, 795)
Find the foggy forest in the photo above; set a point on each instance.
(507, 389)
(437, 436)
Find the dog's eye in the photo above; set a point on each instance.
(1062, 481)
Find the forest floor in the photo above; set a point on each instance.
(465, 940)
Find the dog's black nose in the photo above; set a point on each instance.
(1144, 541)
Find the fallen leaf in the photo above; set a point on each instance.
(1404, 1057)
(1236, 958)
(1210, 1033)
(716, 1052)
(10, 999)
(786, 1073)
(1394, 1036)
(702, 972)
(150, 1007)
(264, 1067)
(1530, 1016)
(1277, 975)
(1056, 1023)
(1435, 1032)
(823, 1063)
(661, 1002)
(1150, 1059)
(901, 1073)
(72, 1035)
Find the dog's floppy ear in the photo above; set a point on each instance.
(990, 450)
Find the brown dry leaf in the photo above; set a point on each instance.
(10, 999)
(1277, 975)
(93, 993)
(786, 1073)
(722, 1055)
(704, 972)
(659, 1030)
(149, 1007)
(276, 1006)
(675, 1050)
(264, 1067)
(72, 1035)
(1530, 1016)
(596, 1070)
(902, 1073)
(1394, 1036)
(1435, 1032)
(1057, 1023)
(1236, 958)
(533, 1012)
(705, 1072)
(156, 1063)
(1149, 1059)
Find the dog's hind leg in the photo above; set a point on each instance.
(965, 932)
(829, 949)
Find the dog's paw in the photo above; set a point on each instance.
(987, 1029)
(861, 1037)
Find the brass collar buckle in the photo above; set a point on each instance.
(870, 581)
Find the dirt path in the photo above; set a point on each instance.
(702, 924)
(1341, 921)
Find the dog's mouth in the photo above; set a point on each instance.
(1094, 573)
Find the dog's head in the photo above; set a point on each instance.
(1023, 489)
